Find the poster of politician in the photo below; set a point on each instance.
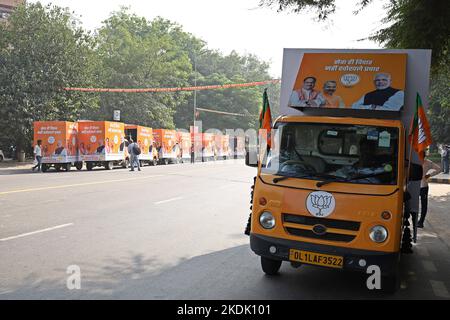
(372, 81)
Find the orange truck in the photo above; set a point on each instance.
(102, 144)
(185, 142)
(332, 189)
(59, 144)
(239, 147)
(208, 146)
(143, 136)
(167, 146)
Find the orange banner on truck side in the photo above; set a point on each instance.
(59, 141)
(372, 81)
(101, 140)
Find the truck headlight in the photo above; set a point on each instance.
(267, 220)
(378, 234)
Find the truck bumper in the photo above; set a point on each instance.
(387, 262)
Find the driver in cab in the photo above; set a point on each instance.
(366, 166)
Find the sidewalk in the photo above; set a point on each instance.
(9, 166)
(441, 178)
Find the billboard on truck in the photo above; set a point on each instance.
(59, 141)
(101, 141)
(166, 143)
(184, 140)
(373, 81)
(143, 136)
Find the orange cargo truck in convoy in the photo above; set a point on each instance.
(208, 146)
(59, 144)
(167, 146)
(143, 136)
(330, 191)
(102, 144)
(185, 142)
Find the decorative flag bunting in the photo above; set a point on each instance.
(197, 88)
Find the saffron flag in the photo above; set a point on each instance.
(420, 135)
(265, 119)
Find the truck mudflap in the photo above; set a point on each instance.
(353, 259)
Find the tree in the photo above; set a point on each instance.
(137, 53)
(214, 68)
(42, 50)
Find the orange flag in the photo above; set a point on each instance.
(420, 134)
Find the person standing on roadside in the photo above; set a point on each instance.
(134, 151)
(37, 155)
(445, 155)
(430, 169)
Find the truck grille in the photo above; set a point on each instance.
(343, 231)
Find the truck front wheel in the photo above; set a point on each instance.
(270, 266)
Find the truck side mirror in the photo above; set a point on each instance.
(251, 154)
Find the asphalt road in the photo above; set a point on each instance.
(173, 232)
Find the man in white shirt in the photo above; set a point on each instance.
(37, 155)
(306, 96)
(383, 98)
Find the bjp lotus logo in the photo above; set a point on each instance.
(320, 203)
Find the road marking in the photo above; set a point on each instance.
(38, 231)
(429, 266)
(168, 200)
(79, 184)
(439, 289)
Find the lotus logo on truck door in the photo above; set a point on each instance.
(320, 203)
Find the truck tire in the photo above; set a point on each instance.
(270, 266)
(67, 166)
(166, 161)
(109, 165)
(44, 167)
(79, 165)
(89, 166)
(154, 162)
(58, 167)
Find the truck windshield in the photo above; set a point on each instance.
(334, 152)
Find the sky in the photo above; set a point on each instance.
(243, 26)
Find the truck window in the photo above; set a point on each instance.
(349, 153)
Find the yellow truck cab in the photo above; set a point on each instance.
(330, 190)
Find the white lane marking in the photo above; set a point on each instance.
(168, 200)
(78, 184)
(37, 231)
(429, 266)
(439, 289)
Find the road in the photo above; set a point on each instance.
(173, 232)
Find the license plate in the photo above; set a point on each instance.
(319, 259)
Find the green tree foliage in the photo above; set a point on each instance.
(410, 24)
(42, 49)
(137, 53)
(214, 68)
